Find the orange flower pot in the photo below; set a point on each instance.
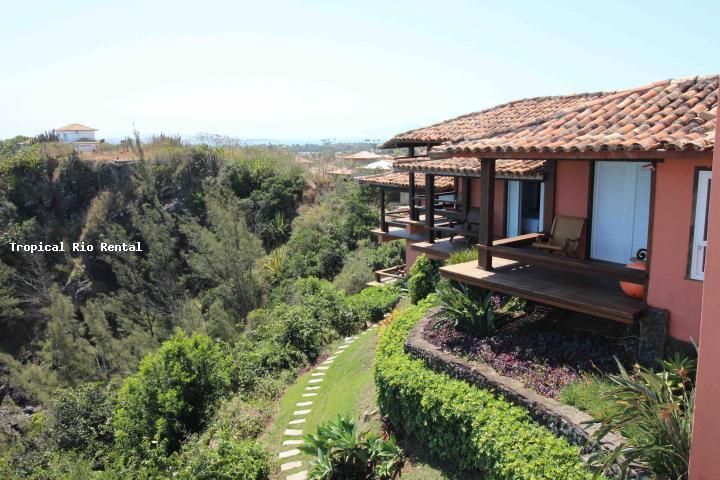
(635, 290)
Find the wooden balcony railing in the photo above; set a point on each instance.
(397, 272)
(507, 251)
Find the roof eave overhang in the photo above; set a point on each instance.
(499, 176)
(408, 143)
(587, 155)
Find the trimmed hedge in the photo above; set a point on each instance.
(461, 424)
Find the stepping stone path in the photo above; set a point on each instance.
(292, 433)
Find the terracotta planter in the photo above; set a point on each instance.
(635, 290)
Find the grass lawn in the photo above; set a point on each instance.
(586, 395)
(348, 388)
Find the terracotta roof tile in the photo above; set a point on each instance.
(402, 180)
(670, 115)
(500, 117)
(340, 171)
(365, 155)
(470, 166)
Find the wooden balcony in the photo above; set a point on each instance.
(388, 275)
(442, 249)
(583, 286)
(398, 233)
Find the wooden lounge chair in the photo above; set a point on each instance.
(564, 236)
(465, 227)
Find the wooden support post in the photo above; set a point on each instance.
(465, 196)
(549, 206)
(383, 222)
(487, 205)
(411, 193)
(430, 206)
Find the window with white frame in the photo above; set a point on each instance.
(700, 230)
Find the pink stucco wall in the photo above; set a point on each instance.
(571, 192)
(705, 451)
(499, 203)
(410, 254)
(669, 286)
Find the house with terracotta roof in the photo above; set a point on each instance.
(366, 157)
(82, 137)
(630, 168)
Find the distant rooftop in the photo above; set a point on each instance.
(75, 127)
(365, 155)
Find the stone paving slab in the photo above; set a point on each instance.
(290, 466)
(289, 453)
(298, 476)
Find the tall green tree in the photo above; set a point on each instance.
(66, 349)
(222, 254)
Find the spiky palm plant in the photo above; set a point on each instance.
(469, 310)
(273, 261)
(343, 452)
(658, 408)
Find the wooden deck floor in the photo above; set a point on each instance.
(581, 293)
(443, 247)
(398, 233)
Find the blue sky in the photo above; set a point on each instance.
(314, 69)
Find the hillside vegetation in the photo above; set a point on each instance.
(169, 356)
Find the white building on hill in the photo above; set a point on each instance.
(82, 137)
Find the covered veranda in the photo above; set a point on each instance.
(515, 266)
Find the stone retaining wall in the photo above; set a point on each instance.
(563, 420)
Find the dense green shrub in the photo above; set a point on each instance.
(288, 336)
(302, 332)
(172, 394)
(26, 176)
(51, 465)
(345, 214)
(223, 459)
(462, 424)
(81, 419)
(424, 276)
(312, 254)
(354, 276)
(360, 264)
(326, 302)
(67, 440)
(386, 255)
(243, 417)
(10, 146)
(344, 452)
(373, 303)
